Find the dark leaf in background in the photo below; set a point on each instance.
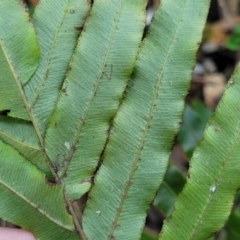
(195, 118)
(172, 185)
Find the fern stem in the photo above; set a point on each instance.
(37, 130)
(75, 220)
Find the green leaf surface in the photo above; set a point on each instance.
(19, 56)
(136, 156)
(214, 174)
(58, 25)
(22, 136)
(43, 88)
(36, 206)
(92, 91)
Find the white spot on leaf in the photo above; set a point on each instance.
(196, 154)
(213, 189)
(98, 213)
(67, 145)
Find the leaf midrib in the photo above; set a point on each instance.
(41, 84)
(134, 165)
(15, 77)
(206, 206)
(18, 141)
(96, 85)
(19, 85)
(36, 207)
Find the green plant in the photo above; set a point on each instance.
(98, 113)
(233, 41)
(194, 121)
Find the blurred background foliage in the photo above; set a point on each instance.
(233, 41)
(216, 59)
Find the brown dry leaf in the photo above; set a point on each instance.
(233, 6)
(213, 88)
(179, 158)
(156, 4)
(216, 34)
(33, 2)
(229, 9)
